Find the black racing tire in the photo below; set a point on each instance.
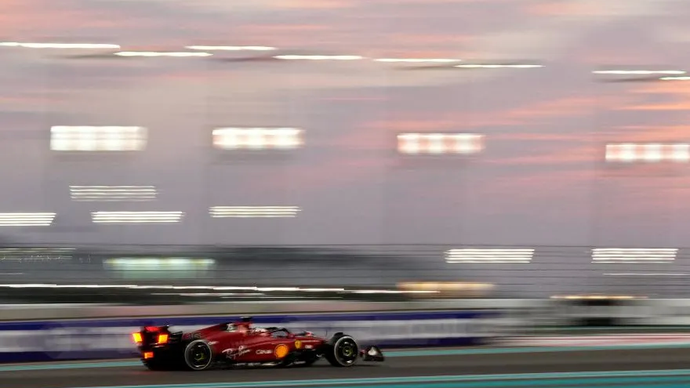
(198, 355)
(343, 352)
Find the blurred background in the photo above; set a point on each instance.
(516, 149)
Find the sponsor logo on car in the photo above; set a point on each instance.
(234, 353)
(281, 351)
(191, 336)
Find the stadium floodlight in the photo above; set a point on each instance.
(638, 72)
(257, 138)
(112, 193)
(158, 54)
(647, 153)
(26, 219)
(97, 138)
(622, 74)
(60, 45)
(683, 78)
(634, 255)
(417, 60)
(319, 57)
(490, 256)
(231, 48)
(440, 143)
(254, 211)
(158, 263)
(136, 217)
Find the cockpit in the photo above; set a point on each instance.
(280, 333)
(231, 327)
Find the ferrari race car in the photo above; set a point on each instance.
(241, 343)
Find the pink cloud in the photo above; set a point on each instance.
(314, 5)
(524, 115)
(563, 8)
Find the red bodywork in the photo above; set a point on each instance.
(241, 343)
(244, 344)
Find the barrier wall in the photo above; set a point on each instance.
(22, 341)
(45, 333)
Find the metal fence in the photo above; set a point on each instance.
(550, 271)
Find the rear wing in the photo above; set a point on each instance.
(158, 335)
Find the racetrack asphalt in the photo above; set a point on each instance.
(659, 359)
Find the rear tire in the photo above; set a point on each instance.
(344, 351)
(198, 355)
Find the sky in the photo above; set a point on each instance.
(540, 180)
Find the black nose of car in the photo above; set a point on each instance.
(372, 353)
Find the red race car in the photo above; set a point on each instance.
(240, 343)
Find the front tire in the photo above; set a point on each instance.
(344, 352)
(198, 355)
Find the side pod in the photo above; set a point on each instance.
(373, 354)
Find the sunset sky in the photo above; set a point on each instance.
(541, 179)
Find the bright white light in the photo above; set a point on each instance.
(214, 288)
(257, 138)
(59, 45)
(489, 256)
(152, 54)
(633, 255)
(155, 263)
(26, 219)
(417, 60)
(254, 211)
(231, 48)
(320, 57)
(675, 78)
(112, 193)
(440, 143)
(90, 138)
(140, 217)
(488, 66)
(638, 72)
(648, 153)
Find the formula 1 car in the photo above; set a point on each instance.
(240, 343)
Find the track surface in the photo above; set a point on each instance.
(473, 364)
